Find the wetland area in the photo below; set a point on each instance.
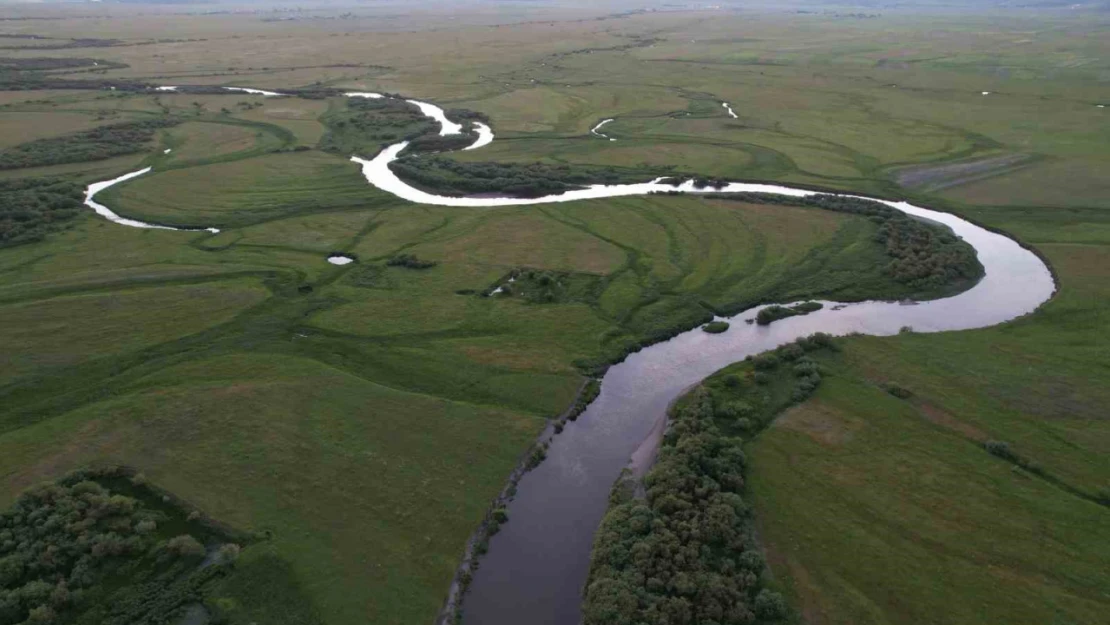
(637, 314)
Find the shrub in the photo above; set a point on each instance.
(733, 410)
(410, 261)
(805, 368)
(185, 546)
(898, 391)
(228, 553)
(716, 327)
(765, 362)
(769, 605)
(999, 448)
(104, 551)
(88, 145)
(923, 256)
(769, 315)
(449, 176)
(792, 351)
(31, 208)
(536, 456)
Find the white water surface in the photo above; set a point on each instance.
(597, 129)
(728, 108)
(446, 126)
(107, 213)
(339, 259)
(268, 94)
(485, 136)
(1016, 281)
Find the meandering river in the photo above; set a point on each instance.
(537, 564)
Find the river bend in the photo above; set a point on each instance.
(538, 562)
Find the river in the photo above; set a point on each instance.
(537, 564)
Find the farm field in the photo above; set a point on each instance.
(360, 419)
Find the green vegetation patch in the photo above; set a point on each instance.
(446, 175)
(771, 314)
(31, 208)
(364, 125)
(88, 145)
(539, 286)
(244, 191)
(686, 552)
(410, 261)
(716, 327)
(88, 551)
(924, 256)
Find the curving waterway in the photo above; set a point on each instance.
(537, 564)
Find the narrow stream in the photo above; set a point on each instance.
(596, 130)
(537, 564)
(111, 216)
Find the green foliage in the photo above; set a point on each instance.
(409, 261)
(550, 287)
(585, 398)
(897, 390)
(536, 456)
(672, 557)
(687, 554)
(30, 208)
(366, 125)
(87, 145)
(716, 327)
(771, 314)
(78, 551)
(446, 175)
(924, 256)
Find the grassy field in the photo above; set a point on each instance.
(366, 423)
(365, 415)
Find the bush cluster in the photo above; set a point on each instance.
(368, 124)
(410, 261)
(585, 398)
(771, 314)
(87, 145)
(923, 255)
(75, 551)
(30, 208)
(449, 176)
(685, 554)
(716, 327)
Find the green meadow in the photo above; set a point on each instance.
(360, 419)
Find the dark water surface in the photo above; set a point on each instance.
(537, 564)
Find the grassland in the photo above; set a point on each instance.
(366, 415)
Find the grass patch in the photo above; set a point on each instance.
(716, 327)
(244, 192)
